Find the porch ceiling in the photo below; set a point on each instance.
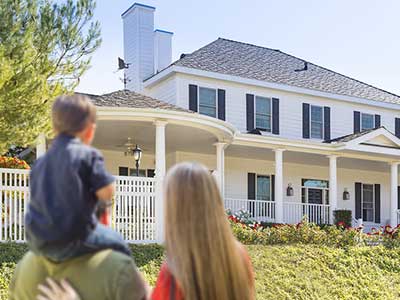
(113, 134)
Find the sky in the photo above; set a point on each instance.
(357, 38)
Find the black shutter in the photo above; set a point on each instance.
(397, 127)
(306, 120)
(358, 187)
(221, 104)
(250, 111)
(251, 186)
(377, 203)
(398, 197)
(377, 121)
(275, 115)
(251, 191)
(193, 103)
(123, 171)
(150, 173)
(272, 187)
(356, 122)
(327, 123)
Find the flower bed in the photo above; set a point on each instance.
(248, 231)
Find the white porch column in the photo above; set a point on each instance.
(159, 175)
(40, 145)
(279, 185)
(220, 170)
(332, 186)
(393, 193)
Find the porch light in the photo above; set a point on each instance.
(137, 155)
(289, 190)
(346, 194)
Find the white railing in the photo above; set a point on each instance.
(293, 212)
(134, 209)
(259, 209)
(14, 194)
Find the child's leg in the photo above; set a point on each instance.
(103, 237)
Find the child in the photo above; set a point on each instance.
(66, 185)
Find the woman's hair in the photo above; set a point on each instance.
(202, 253)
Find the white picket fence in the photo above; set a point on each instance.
(134, 209)
(133, 212)
(14, 194)
(293, 212)
(260, 210)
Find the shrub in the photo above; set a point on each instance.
(342, 217)
(13, 163)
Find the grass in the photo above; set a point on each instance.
(294, 272)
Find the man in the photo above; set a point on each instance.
(103, 275)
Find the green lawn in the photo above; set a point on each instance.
(285, 272)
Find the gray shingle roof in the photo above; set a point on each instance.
(260, 63)
(350, 137)
(125, 98)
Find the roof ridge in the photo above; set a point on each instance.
(329, 70)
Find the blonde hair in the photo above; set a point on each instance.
(202, 253)
(71, 114)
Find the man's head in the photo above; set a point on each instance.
(75, 115)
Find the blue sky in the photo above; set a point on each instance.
(358, 38)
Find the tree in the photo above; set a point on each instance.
(45, 48)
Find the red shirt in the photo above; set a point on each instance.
(167, 286)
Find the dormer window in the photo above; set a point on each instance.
(208, 101)
(367, 121)
(263, 113)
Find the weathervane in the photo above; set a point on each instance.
(121, 66)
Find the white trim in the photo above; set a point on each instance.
(178, 69)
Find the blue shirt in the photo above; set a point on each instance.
(63, 185)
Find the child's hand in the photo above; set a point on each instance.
(55, 291)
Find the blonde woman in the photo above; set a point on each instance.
(204, 261)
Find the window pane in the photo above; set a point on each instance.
(207, 102)
(368, 202)
(263, 188)
(315, 183)
(263, 122)
(208, 111)
(367, 121)
(316, 113)
(263, 105)
(316, 130)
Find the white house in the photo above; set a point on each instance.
(284, 137)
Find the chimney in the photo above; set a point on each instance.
(162, 49)
(147, 51)
(138, 22)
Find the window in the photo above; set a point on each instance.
(317, 122)
(263, 188)
(263, 113)
(367, 122)
(315, 191)
(125, 171)
(208, 101)
(367, 204)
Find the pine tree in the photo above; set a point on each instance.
(45, 47)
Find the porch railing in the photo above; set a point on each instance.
(134, 208)
(14, 194)
(259, 209)
(316, 213)
(133, 211)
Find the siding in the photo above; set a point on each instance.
(290, 106)
(165, 91)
